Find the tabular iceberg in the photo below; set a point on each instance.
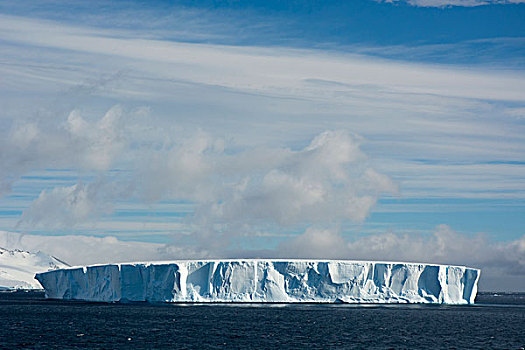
(262, 281)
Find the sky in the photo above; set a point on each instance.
(366, 129)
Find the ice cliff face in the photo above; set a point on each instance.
(265, 281)
(18, 268)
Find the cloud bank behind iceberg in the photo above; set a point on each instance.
(257, 280)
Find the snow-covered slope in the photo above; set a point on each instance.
(18, 268)
(265, 281)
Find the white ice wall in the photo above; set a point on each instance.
(265, 281)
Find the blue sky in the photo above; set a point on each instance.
(247, 128)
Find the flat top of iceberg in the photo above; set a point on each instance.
(240, 260)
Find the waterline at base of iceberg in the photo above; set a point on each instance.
(265, 281)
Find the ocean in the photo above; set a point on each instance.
(29, 321)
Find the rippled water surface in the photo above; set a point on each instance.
(29, 321)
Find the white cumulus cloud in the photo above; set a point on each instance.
(234, 188)
(74, 143)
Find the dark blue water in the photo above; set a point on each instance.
(29, 321)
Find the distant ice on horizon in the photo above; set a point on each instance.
(18, 268)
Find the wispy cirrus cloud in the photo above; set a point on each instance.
(288, 65)
(463, 3)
